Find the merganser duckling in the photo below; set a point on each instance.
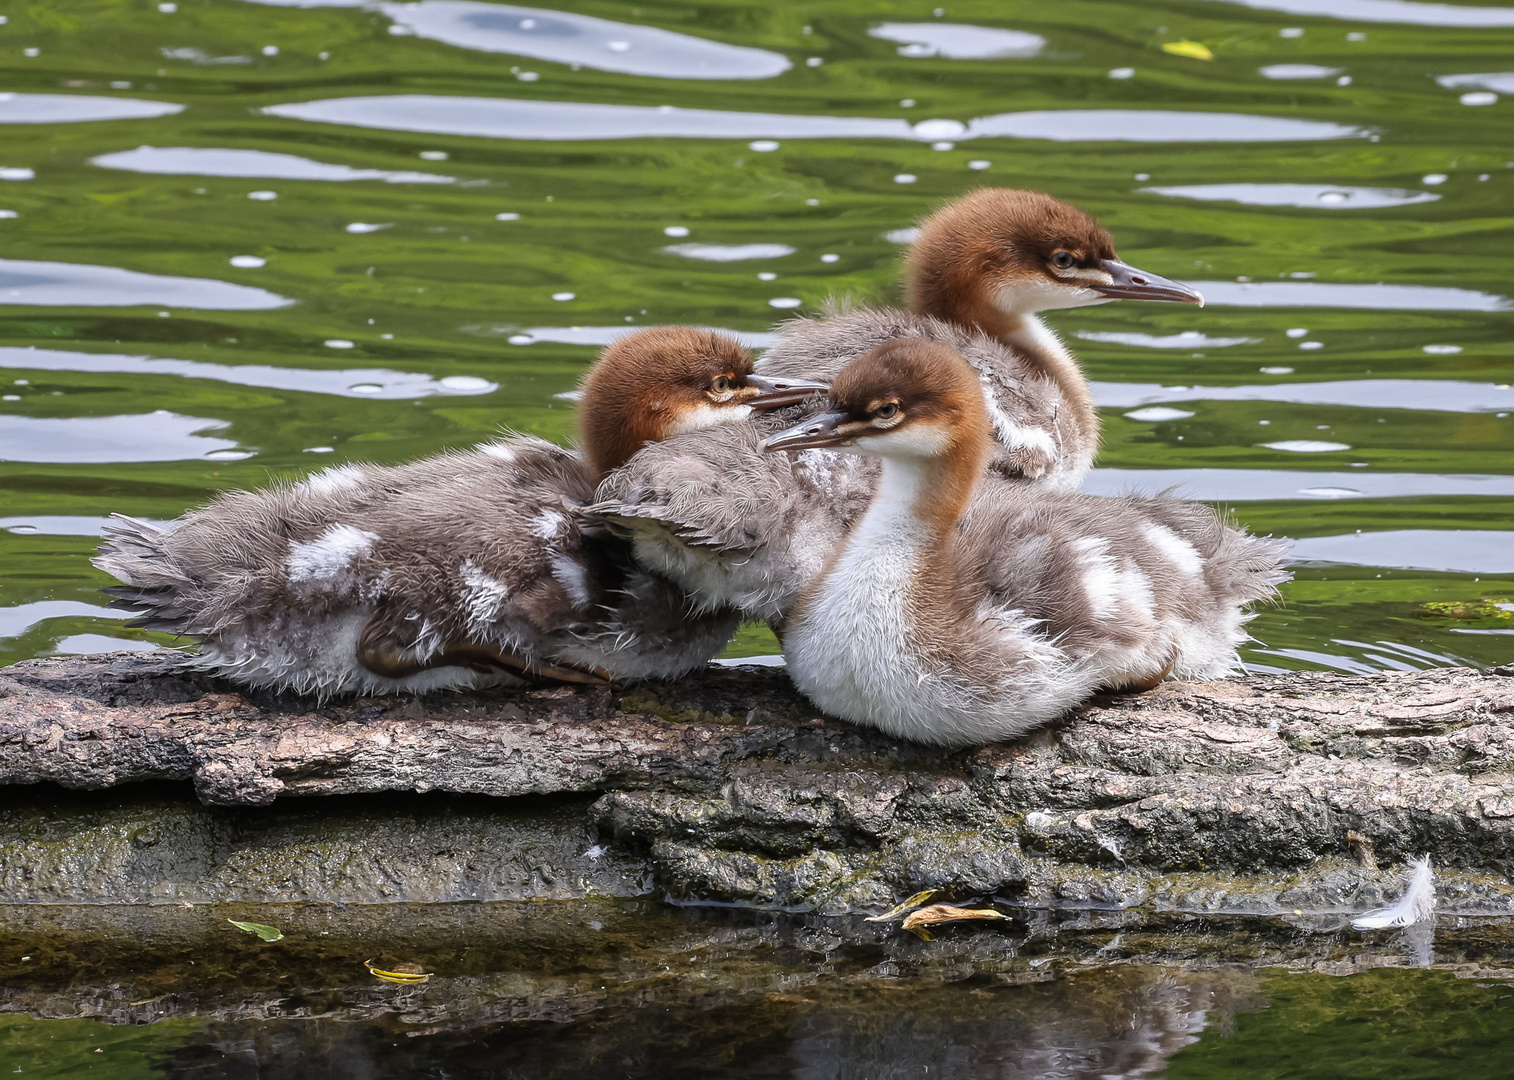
(449, 571)
(736, 529)
(964, 610)
(977, 276)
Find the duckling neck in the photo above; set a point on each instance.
(1045, 354)
(909, 530)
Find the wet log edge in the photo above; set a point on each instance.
(1194, 796)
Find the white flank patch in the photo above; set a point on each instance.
(334, 479)
(1183, 554)
(548, 525)
(1101, 581)
(329, 554)
(483, 595)
(708, 416)
(574, 578)
(1415, 906)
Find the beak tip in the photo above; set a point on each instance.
(1198, 298)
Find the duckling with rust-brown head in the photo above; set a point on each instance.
(964, 609)
(471, 565)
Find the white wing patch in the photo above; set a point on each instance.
(337, 478)
(503, 451)
(483, 596)
(329, 554)
(548, 525)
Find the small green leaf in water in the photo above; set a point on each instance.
(267, 933)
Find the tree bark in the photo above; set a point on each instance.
(1266, 794)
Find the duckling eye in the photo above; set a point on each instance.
(720, 384)
(887, 411)
(1063, 260)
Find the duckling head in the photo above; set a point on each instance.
(907, 399)
(668, 380)
(999, 254)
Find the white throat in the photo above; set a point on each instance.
(1028, 335)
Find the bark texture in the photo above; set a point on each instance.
(1302, 792)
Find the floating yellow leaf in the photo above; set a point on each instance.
(402, 975)
(899, 909)
(940, 913)
(262, 930)
(1191, 49)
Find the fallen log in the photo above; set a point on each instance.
(1298, 793)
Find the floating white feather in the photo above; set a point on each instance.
(1415, 906)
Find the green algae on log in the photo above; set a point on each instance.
(1238, 796)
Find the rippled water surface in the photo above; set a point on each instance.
(239, 240)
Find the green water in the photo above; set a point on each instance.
(438, 286)
(145, 396)
(618, 988)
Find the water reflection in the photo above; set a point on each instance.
(249, 164)
(1389, 11)
(1361, 297)
(957, 41)
(77, 108)
(1279, 485)
(1502, 81)
(80, 644)
(158, 436)
(1434, 395)
(1307, 196)
(15, 621)
(506, 118)
(1297, 71)
(1465, 551)
(730, 252)
(1188, 339)
(565, 37)
(1156, 125)
(377, 383)
(78, 285)
(600, 336)
(55, 524)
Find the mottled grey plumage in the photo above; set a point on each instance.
(739, 527)
(1041, 599)
(449, 558)
(1033, 440)
(963, 609)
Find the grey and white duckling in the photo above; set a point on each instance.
(964, 610)
(736, 528)
(469, 567)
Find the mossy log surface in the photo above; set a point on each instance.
(1291, 793)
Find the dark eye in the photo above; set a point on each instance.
(1063, 260)
(887, 412)
(720, 384)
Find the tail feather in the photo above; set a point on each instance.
(155, 586)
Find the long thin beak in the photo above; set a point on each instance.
(816, 431)
(778, 392)
(1132, 284)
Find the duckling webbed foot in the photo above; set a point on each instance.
(381, 654)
